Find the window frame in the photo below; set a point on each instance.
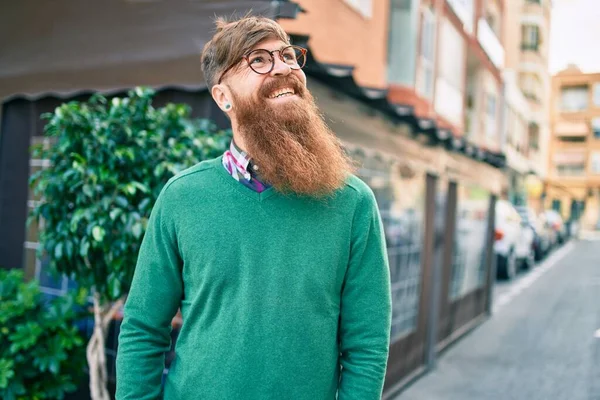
(564, 89)
(595, 129)
(596, 94)
(530, 37)
(427, 54)
(567, 169)
(595, 162)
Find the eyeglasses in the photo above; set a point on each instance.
(262, 61)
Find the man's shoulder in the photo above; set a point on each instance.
(357, 187)
(199, 174)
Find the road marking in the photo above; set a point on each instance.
(529, 280)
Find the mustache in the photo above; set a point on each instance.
(289, 81)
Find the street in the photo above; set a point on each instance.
(542, 342)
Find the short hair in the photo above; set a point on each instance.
(233, 39)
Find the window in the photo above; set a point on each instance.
(400, 192)
(597, 94)
(534, 1)
(365, 7)
(530, 37)
(596, 127)
(572, 139)
(574, 98)
(556, 205)
(595, 162)
(534, 136)
(570, 169)
(427, 58)
(450, 84)
(468, 255)
(402, 43)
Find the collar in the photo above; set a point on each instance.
(240, 157)
(236, 161)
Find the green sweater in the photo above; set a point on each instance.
(282, 297)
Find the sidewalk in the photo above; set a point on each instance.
(540, 344)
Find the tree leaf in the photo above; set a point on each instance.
(88, 190)
(114, 213)
(121, 201)
(6, 372)
(58, 251)
(98, 233)
(84, 246)
(136, 229)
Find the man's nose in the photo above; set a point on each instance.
(280, 68)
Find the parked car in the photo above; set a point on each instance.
(543, 235)
(513, 243)
(556, 223)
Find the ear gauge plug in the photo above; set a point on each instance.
(227, 106)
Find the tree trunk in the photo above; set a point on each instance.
(96, 355)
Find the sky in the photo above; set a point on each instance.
(575, 35)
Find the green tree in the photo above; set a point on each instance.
(108, 164)
(41, 352)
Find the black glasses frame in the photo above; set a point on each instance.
(272, 53)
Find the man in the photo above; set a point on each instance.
(274, 252)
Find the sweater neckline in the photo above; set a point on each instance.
(238, 186)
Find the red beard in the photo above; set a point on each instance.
(290, 142)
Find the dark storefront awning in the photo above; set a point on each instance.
(61, 47)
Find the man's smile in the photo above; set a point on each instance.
(285, 92)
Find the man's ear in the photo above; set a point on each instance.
(222, 97)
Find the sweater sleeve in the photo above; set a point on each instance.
(153, 300)
(365, 314)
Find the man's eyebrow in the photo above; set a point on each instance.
(262, 48)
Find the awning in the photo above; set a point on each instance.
(569, 129)
(66, 46)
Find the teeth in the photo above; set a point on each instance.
(282, 92)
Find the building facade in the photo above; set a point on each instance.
(526, 123)
(574, 161)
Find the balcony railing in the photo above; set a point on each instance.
(571, 172)
(530, 47)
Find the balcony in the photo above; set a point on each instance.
(571, 129)
(533, 6)
(464, 10)
(530, 46)
(490, 43)
(569, 164)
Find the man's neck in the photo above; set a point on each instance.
(238, 147)
(238, 140)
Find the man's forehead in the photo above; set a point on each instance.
(270, 44)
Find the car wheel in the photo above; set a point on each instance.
(529, 261)
(507, 266)
(539, 254)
